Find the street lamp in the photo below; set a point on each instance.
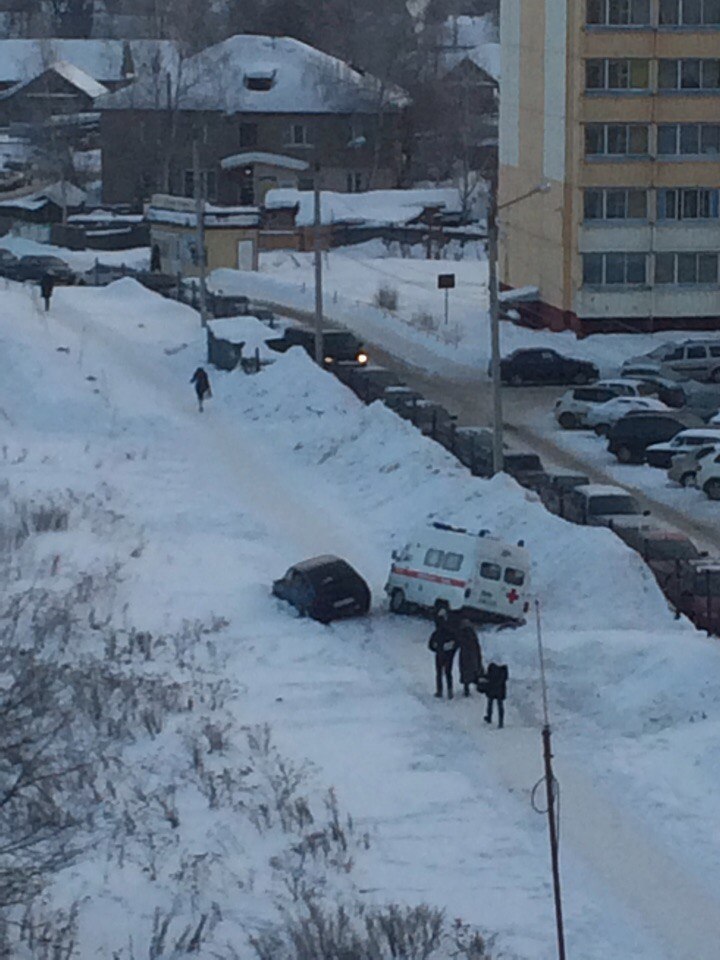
(492, 229)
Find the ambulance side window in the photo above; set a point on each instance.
(514, 577)
(453, 561)
(433, 558)
(490, 571)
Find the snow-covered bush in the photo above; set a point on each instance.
(386, 297)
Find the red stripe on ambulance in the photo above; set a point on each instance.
(432, 577)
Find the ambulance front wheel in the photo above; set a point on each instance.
(398, 603)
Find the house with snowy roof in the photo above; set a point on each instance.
(263, 112)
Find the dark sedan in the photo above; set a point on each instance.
(324, 588)
(630, 437)
(35, 267)
(545, 366)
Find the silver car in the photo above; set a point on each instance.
(693, 359)
(684, 466)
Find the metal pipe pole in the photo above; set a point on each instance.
(550, 794)
(200, 235)
(317, 220)
(494, 307)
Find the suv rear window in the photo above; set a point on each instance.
(612, 503)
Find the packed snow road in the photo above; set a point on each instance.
(288, 464)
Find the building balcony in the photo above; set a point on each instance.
(634, 236)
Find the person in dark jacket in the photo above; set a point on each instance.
(47, 285)
(443, 643)
(495, 689)
(471, 665)
(202, 386)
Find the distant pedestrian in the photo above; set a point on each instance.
(443, 643)
(47, 285)
(471, 665)
(202, 386)
(495, 689)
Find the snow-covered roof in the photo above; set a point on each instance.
(471, 38)
(372, 207)
(258, 156)
(103, 60)
(55, 192)
(69, 72)
(181, 213)
(304, 80)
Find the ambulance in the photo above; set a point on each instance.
(446, 567)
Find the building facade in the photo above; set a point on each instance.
(612, 107)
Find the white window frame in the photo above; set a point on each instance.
(708, 197)
(680, 23)
(610, 18)
(606, 127)
(703, 69)
(608, 65)
(604, 193)
(676, 281)
(624, 282)
(678, 152)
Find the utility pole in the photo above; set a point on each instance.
(550, 791)
(200, 235)
(317, 221)
(498, 460)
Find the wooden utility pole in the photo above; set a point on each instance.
(200, 234)
(317, 222)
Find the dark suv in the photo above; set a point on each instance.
(630, 437)
(34, 267)
(545, 366)
(338, 345)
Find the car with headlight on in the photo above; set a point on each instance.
(338, 345)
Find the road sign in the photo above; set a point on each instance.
(446, 281)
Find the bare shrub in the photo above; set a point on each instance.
(386, 297)
(425, 321)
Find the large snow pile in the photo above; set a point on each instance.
(372, 208)
(137, 258)
(156, 531)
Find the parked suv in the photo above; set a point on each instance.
(337, 344)
(661, 454)
(35, 267)
(596, 504)
(630, 437)
(695, 359)
(684, 466)
(545, 366)
(603, 415)
(554, 488)
(572, 408)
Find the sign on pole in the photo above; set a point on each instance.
(446, 282)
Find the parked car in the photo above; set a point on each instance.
(602, 417)
(630, 437)
(545, 366)
(665, 551)
(228, 305)
(34, 267)
(697, 359)
(573, 406)
(8, 263)
(325, 588)
(668, 389)
(337, 344)
(101, 275)
(400, 399)
(699, 593)
(707, 475)
(526, 468)
(684, 466)
(370, 382)
(661, 454)
(597, 505)
(473, 446)
(554, 487)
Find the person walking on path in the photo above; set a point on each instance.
(47, 285)
(495, 690)
(443, 643)
(202, 386)
(471, 665)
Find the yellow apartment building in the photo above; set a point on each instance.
(614, 105)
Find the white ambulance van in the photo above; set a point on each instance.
(449, 567)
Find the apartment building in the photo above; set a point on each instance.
(613, 108)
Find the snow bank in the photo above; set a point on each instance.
(137, 258)
(373, 207)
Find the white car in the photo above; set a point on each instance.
(707, 477)
(662, 454)
(606, 415)
(573, 406)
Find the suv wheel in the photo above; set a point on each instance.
(568, 421)
(398, 603)
(602, 429)
(712, 489)
(624, 454)
(686, 480)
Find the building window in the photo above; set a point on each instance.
(686, 269)
(306, 183)
(612, 74)
(354, 182)
(688, 203)
(613, 203)
(208, 181)
(259, 80)
(618, 13)
(688, 139)
(248, 135)
(616, 139)
(689, 74)
(299, 135)
(689, 13)
(614, 269)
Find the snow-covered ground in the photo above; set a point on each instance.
(137, 258)
(197, 514)
(416, 330)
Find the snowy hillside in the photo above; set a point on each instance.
(242, 766)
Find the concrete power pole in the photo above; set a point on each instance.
(317, 221)
(200, 235)
(492, 229)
